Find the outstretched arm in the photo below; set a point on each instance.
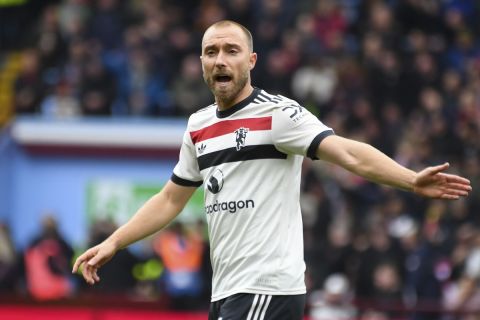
(370, 163)
(155, 214)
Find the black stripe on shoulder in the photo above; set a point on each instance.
(273, 98)
(264, 96)
(184, 182)
(312, 150)
(259, 97)
(256, 152)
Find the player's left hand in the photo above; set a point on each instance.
(432, 182)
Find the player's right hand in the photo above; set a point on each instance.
(93, 259)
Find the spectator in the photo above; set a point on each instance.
(115, 279)
(62, 104)
(329, 23)
(50, 42)
(315, 83)
(424, 255)
(465, 295)
(472, 167)
(241, 11)
(72, 17)
(29, 86)
(141, 89)
(47, 263)
(387, 289)
(335, 301)
(335, 255)
(107, 23)
(391, 122)
(10, 264)
(382, 23)
(189, 89)
(383, 78)
(181, 249)
(73, 70)
(97, 89)
(277, 76)
(381, 250)
(271, 20)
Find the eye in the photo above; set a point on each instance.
(233, 51)
(210, 53)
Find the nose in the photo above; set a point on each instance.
(220, 59)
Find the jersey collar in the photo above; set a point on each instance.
(242, 104)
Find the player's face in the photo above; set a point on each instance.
(226, 63)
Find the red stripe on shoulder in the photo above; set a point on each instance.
(228, 126)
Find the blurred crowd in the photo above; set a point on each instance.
(171, 268)
(402, 75)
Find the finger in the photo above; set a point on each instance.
(81, 259)
(95, 260)
(449, 197)
(77, 264)
(436, 169)
(456, 179)
(95, 275)
(459, 186)
(457, 192)
(88, 274)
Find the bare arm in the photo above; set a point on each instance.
(155, 214)
(370, 163)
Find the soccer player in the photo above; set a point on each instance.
(247, 149)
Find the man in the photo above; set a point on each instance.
(465, 294)
(247, 149)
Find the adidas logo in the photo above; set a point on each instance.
(201, 149)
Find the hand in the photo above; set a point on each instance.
(93, 259)
(433, 183)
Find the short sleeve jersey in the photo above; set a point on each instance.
(249, 160)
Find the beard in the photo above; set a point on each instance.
(227, 94)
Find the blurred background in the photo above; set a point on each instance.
(94, 99)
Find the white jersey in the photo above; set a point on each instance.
(249, 160)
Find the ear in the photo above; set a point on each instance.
(201, 62)
(253, 60)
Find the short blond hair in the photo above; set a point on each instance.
(224, 23)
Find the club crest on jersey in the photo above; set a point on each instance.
(240, 135)
(201, 148)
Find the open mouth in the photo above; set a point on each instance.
(222, 78)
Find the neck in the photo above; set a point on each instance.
(227, 104)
